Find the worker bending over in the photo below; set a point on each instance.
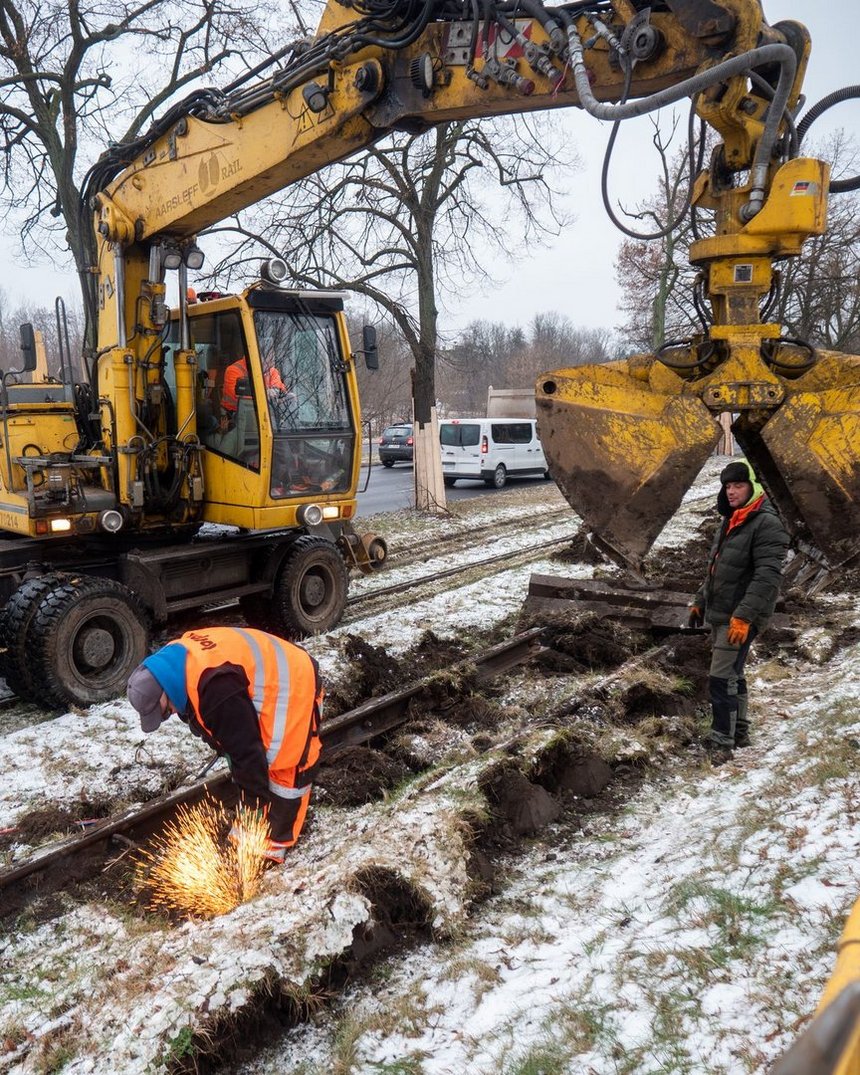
(254, 698)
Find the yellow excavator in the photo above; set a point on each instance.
(242, 410)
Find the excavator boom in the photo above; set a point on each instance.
(626, 439)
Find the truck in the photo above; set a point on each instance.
(240, 411)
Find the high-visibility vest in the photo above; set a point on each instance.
(282, 684)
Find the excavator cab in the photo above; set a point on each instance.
(275, 404)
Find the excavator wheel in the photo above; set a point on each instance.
(311, 589)
(88, 635)
(15, 622)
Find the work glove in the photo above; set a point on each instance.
(738, 631)
(696, 617)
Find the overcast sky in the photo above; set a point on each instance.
(576, 275)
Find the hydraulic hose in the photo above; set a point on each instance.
(737, 65)
(847, 93)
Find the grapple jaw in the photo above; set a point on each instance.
(623, 453)
(625, 441)
(807, 455)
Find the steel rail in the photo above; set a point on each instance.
(367, 721)
(459, 569)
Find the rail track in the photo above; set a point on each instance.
(76, 858)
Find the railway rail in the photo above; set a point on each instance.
(51, 868)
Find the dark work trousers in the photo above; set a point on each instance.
(728, 688)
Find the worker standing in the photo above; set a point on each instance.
(737, 599)
(251, 696)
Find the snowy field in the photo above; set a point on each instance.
(690, 931)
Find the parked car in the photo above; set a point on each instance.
(396, 445)
(491, 450)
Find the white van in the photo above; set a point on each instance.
(491, 450)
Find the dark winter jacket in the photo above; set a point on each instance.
(745, 563)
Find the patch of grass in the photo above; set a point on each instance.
(548, 1059)
(179, 1047)
(21, 991)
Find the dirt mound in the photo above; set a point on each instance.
(588, 643)
(356, 775)
(35, 826)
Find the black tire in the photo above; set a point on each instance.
(387, 462)
(15, 637)
(449, 482)
(499, 478)
(311, 588)
(89, 635)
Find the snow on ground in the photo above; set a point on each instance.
(693, 932)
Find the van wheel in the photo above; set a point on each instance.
(387, 462)
(449, 482)
(499, 478)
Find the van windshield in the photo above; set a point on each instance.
(459, 436)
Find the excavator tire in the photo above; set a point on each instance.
(311, 589)
(88, 636)
(16, 620)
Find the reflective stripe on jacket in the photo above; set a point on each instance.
(284, 689)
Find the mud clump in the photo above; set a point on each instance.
(357, 775)
(521, 807)
(581, 550)
(588, 644)
(640, 701)
(688, 658)
(372, 672)
(565, 767)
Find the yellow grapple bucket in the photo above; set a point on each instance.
(622, 453)
(625, 441)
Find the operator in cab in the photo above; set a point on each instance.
(737, 599)
(253, 697)
(238, 371)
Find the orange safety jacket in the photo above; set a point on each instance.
(283, 685)
(238, 371)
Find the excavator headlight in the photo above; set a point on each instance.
(274, 271)
(172, 257)
(310, 515)
(194, 257)
(316, 96)
(111, 520)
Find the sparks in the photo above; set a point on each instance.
(192, 870)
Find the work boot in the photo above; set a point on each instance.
(717, 753)
(742, 739)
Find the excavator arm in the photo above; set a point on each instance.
(624, 439)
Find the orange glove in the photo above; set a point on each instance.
(738, 631)
(696, 617)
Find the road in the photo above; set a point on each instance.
(390, 489)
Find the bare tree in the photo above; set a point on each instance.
(75, 77)
(419, 215)
(655, 276)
